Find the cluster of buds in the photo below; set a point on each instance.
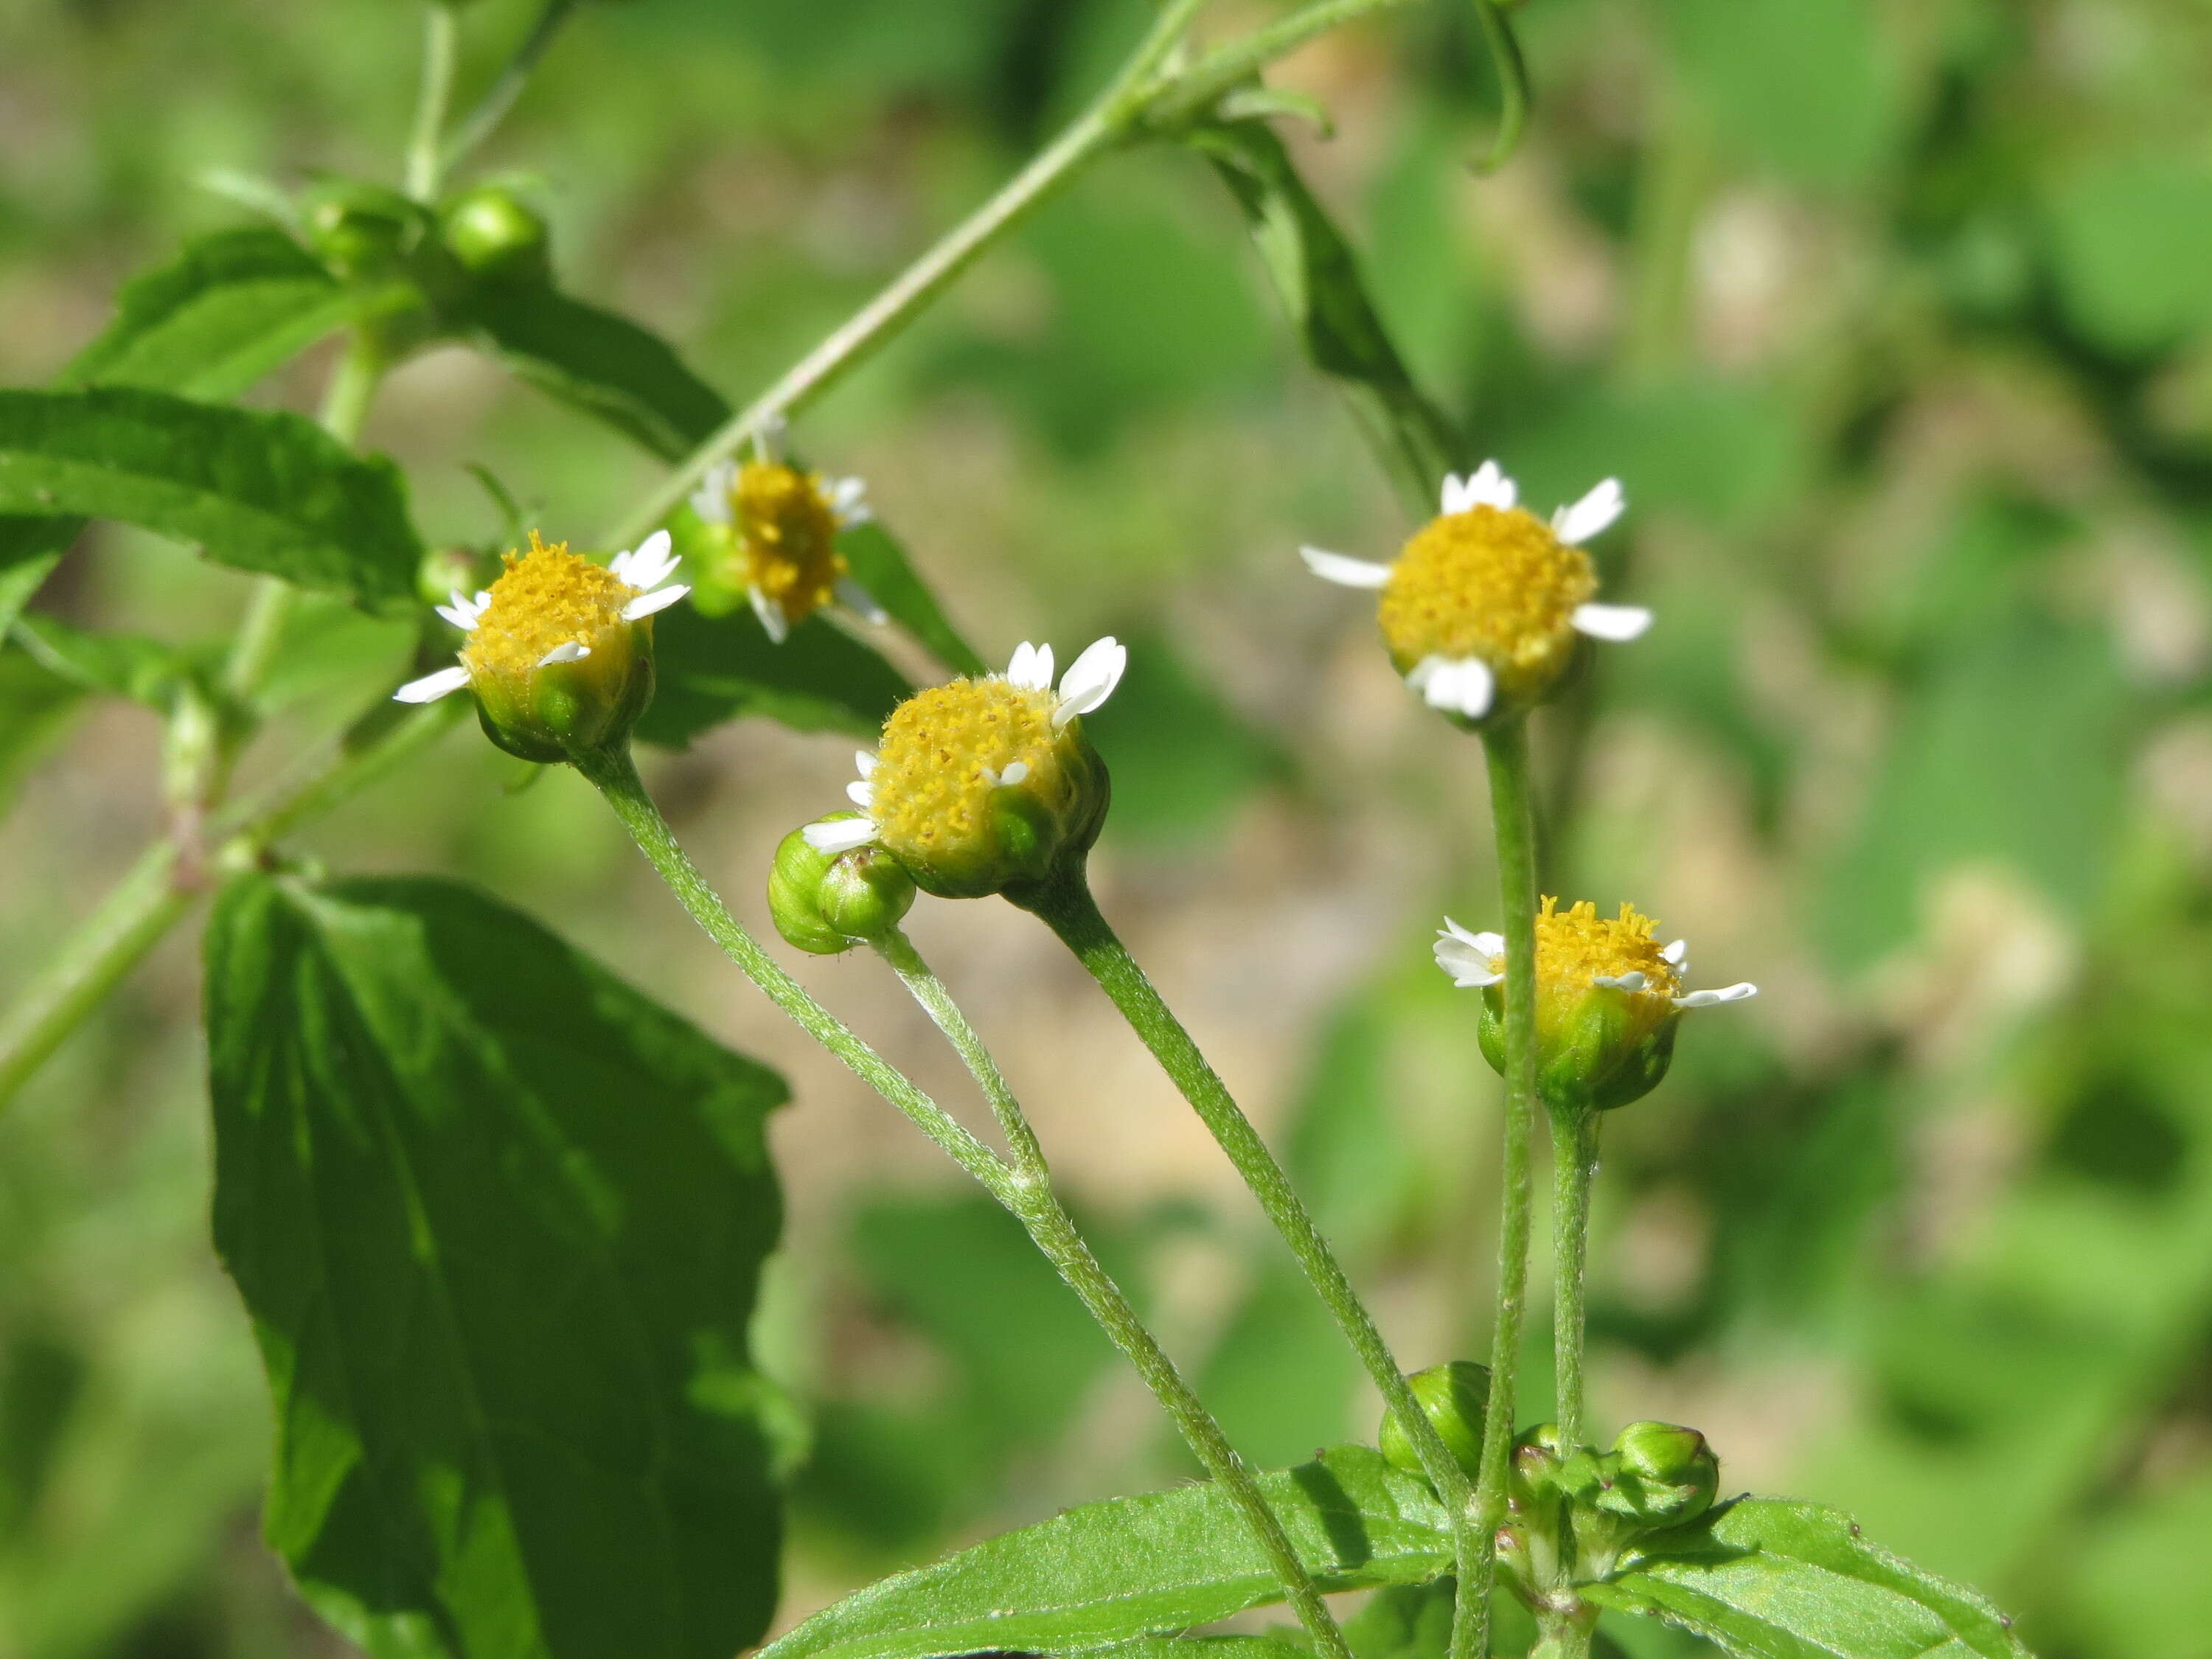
(1572, 1512)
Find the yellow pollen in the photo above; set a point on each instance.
(1493, 583)
(932, 778)
(546, 597)
(786, 536)
(1575, 947)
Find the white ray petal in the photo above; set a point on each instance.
(1016, 772)
(567, 651)
(464, 613)
(659, 600)
(771, 615)
(711, 499)
(1678, 952)
(1469, 968)
(1618, 623)
(652, 562)
(1709, 999)
(1462, 685)
(431, 687)
(1487, 486)
(1594, 512)
(861, 603)
(862, 795)
(848, 499)
(1091, 679)
(1030, 667)
(768, 436)
(1634, 979)
(1343, 570)
(840, 834)
(1490, 944)
(865, 761)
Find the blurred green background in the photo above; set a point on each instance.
(1895, 319)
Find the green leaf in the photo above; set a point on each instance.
(1139, 1566)
(262, 491)
(602, 364)
(30, 548)
(226, 311)
(712, 669)
(1318, 278)
(1769, 1578)
(499, 1220)
(145, 671)
(880, 565)
(1289, 1645)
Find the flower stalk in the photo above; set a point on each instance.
(1574, 1166)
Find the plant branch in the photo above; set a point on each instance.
(1054, 1232)
(441, 39)
(491, 109)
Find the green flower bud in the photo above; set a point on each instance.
(987, 785)
(828, 902)
(1661, 1475)
(1454, 1397)
(363, 230)
(495, 236)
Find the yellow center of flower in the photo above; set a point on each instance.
(545, 598)
(1491, 583)
(788, 536)
(1577, 946)
(942, 753)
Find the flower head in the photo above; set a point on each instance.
(558, 650)
(780, 526)
(1483, 609)
(1609, 997)
(987, 783)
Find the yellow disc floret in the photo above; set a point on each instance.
(1577, 946)
(943, 752)
(787, 534)
(1493, 583)
(545, 598)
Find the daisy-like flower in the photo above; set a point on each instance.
(986, 783)
(1483, 609)
(1609, 997)
(557, 650)
(781, 527)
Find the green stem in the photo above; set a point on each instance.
(499, 98)
(1066, 905)
(1040, 1210)
(614, 775)
(1507, 747)
(1512, 84)
(1574, 1162)
(440, 37)
(1196, 89)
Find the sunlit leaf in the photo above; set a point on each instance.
(713, 669)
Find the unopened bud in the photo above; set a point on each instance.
(496, 236)
(1663, 1474)
(1454, 1397)
(828, 902)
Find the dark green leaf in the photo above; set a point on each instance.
(499, 1220)
(262, 491)
(880, 565)
(1317, 279)
(712, 669)
(226, 311)
(1139, 1566)
(1405, 1621)
(30, 548)
(1769, 1579)
(1288, 1645)
(601, 363)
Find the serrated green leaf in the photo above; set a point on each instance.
(225, 312)
(712, 669)
(1769, 1578)
(265, 491)
(601, 363)
(1318, 278)
(1130, 1567)
(499, 1220)
(880, 564)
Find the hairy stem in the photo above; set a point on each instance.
(1067, 906)
(1040, 1210)
(491, 109)
(441, 37)
(1507, 747)
(1574, 1162)
(614, 775)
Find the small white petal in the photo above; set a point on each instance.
(1678, 952)
(848, 499)
(1344, 571)
(464, 613)
(645, 604)
(1463, 685)
(1616, 623)
(1490, 944)
(567, 651)
(862, 795)
(840, 834)
(1469, 968)
(1091, 679)
(1487, 486)
(861, 603)
(1709, 999)
(711, 499)
(769, 433)
(1014, 773)
(650, 564)
(864, 760)
(1594, 512)
(1030, 667)
(771, 615)
(1634, 979)
(431, 687)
